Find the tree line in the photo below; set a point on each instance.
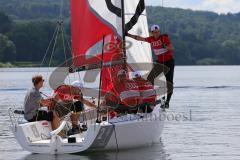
(199, 38)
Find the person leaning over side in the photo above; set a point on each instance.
(162, 48)
(34, 101)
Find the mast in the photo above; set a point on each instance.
(100, 83)
(123, 34)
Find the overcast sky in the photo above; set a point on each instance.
(219, 6)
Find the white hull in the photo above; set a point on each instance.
(129, 131)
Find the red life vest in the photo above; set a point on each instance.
(111, 98)
(148, 94)
(67, 92)
(157, 46)
(128, 92)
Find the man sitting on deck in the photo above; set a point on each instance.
(34, 101)
(147, 93)
(124, 96)
(69, 98)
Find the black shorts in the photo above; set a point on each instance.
(62, 109)
(42, 115)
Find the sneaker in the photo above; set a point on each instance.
(167, 105)
(73, 131)
(83, 128)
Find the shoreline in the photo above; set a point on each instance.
(31, 65)
(19, 65)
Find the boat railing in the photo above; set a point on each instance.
(16, 116)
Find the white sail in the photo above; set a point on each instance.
(139, 52)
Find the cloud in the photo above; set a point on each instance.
(153, 2)
(219, 6)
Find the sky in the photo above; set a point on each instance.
(218, 6)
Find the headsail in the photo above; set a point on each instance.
(136, 21)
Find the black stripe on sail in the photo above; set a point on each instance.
(118, 12)
(139, 10)
(113, 8)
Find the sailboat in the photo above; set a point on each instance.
(98, 26)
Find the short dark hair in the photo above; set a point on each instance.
(36, 79)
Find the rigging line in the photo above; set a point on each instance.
(165, 87)
(55, 101)
(115, 134)
(64, 48)
(68, 42)
(163, 22)
(100, 83)
(63, 42)
(61, 10)
(53, 50)
(65, 39)
(48, 48)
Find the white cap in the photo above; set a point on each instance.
(136, 74)
(121, 72)
(77, 84)
(155, 27)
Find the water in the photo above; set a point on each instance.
(207, 96)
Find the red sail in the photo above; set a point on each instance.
(88, 31)
(89, 24)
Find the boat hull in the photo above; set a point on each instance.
(129, 131)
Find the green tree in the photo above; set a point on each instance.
(5, 23)
(7, 49)
(32, 39)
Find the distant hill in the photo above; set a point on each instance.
(34, 9)
(198, 37)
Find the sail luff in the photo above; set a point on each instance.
(123, 33)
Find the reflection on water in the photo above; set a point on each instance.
(156, 151)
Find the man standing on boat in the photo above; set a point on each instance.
(162, 48)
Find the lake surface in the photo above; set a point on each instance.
(207, 96)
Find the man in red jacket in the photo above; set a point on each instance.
(162, 48)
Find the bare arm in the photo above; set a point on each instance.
(139, 38)
(47, 102)
(44, 102)
(169, 48)
(88, 103)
